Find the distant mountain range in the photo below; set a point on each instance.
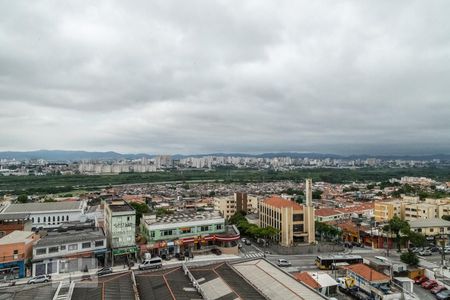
(66, 155)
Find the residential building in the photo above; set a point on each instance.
(239, 202)
(14, 221)
(15, 249)
(294, 221)
(69, 251)
(120, 227)
(319, 281)
(49, 214)
(433, 229)
(384, 211)
(327, 214)
(188, 231)
(412, 208)
(372, 282)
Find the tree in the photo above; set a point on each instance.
(409, 258)
(397, 226)
(326, 230)
(417, 239)
(317, 194)
(22, 198)
(140, 208)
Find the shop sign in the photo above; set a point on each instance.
(124, 251)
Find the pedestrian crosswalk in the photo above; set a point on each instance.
(252, 254)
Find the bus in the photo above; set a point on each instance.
(331, 261)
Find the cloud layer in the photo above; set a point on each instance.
(209, 76)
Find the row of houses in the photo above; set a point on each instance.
(52, 238)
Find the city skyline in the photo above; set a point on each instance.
(213, 77)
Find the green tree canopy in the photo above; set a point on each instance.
(22, 198)
(397, 226)
(326, 230)
(140, 208)
(409, 258)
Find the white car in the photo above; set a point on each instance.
(39, 279)
(425, 253)
(283, 263)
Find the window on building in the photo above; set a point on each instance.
(442, 229)
(53, 218)
(62, 247)
(58, 219)
(185, 230)
(67, 218)
(167, 232)
(53, 249)
(298, 228)
(152, 234)
(128, 218)
(419, 230)
(219, 226)
(41, 251)
(431, 230)
(204, 228)
(86, 245)
(73, 247)
(32, 219)
(39, 219)
(297, 217)
(15, 252)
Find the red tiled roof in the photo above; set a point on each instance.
(357, 208)
(307, 279)
(279, 202)
(367, 273)
(325, 212)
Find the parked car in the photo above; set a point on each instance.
(247, 242)
(420, 279)
(434, 249)
(153, 263)
(216, 251)
(416, 249)
(444, 295)
(425, 253)
(438, 289)
(40, 279)
(429, 284)
(283, 263)
(104, 271)
(446, 250)
(243, 240)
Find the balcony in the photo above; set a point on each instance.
(14, 257)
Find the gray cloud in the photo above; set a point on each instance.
(206, 76)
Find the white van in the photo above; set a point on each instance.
(152, 263)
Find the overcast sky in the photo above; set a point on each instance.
(220, 76)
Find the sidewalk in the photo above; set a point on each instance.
(201, 258)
